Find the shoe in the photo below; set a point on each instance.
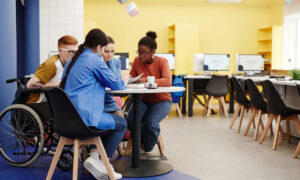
(97, 169)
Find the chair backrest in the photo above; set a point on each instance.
(256, 99)
(239, 96)
(67, 121)
(275, 104)
(217, 86)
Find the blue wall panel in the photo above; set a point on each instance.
(8, 51)
(32, 38)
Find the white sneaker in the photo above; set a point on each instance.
(97, 169)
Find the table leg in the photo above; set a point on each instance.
(190, 97)
(136, 167)
(231, 99)
(136, 134)
(183, 108)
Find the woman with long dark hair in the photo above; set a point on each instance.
(84, 80)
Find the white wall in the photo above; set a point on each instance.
(59, 18)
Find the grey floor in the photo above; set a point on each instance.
(207, 149)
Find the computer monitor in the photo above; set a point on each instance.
(216, 62)
(170, 57)
(124, 59)
(198, 62)
(53, 53)
(250, 63)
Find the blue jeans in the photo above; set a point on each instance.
(112, 139)
(151, 116)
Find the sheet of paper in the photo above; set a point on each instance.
(131, 80)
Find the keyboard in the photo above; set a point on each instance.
(276, 76)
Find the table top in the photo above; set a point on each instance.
(197, 76)
(288, 81)
(147, 91)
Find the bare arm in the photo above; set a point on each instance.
(35, 83)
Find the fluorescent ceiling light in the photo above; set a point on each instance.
(224, 1)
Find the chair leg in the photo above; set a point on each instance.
(128, 147)
(178, 110)
(206, 105)
(281, 133)
(220, 106)
(288, 131)
(235, 115)
(241, 118)
(209, 106)
(55, 159)
(119, 150)
(104, 157)
(259, 122)
(276, 132)
(75, 159)
(251, 120)
(224, 106)
(268, 126)
(160, 145)
(297, 151)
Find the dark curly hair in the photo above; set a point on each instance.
(149, 40)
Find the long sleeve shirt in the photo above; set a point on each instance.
(160, 69)
(85, 85)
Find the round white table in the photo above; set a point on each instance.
(137, 167)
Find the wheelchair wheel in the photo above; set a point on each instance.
(21, 135)
(65, 161)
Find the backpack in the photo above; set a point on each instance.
(178, 81)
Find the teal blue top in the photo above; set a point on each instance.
(85, 85)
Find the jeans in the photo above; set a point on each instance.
(112, 139)
(151, 116)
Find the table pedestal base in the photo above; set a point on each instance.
(147, 168)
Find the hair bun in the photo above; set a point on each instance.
(151, 34)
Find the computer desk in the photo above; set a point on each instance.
(190, 79)
(287, 84)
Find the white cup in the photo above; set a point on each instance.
(150, 79)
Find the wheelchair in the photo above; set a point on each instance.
(27, 131)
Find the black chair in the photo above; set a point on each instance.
(216, 88)
(199, 86)
(279, 111)
(258, 105)
(243, 104)
(72, 130)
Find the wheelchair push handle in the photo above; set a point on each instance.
(11, 80)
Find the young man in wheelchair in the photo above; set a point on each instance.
(49, 74)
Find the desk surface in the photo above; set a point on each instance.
(197, 76)
(147, 91)
(287, 80)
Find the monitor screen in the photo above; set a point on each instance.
(198, 62)
(250, 62)
(216, 62)
(124, 59)
(169, 57)
(53, 53)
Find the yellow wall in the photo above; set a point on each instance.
(223, 28)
